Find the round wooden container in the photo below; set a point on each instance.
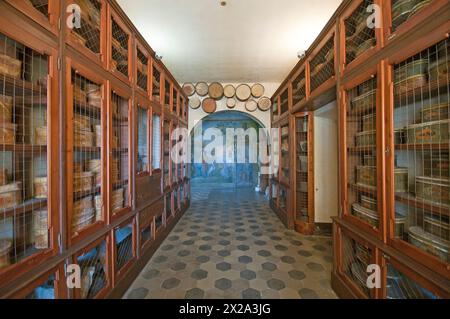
(215, 91)
(40, 229)
(209, 105)
(264, 104)
(202, 89)
(243, 92)
(6, 104)
(5, 250)
(231, 103)
(40, 187)
(10, 195)
(195, 103)
(188, 89)
(258, 90)
(40, 135)
(229, 91)
(251, 106)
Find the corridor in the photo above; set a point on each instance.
(230, 245)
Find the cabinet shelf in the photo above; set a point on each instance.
(26, 207)
(363, 189)
(409, 199)
(92, 192)
(87, 149)
(422, 147)
(431, 89)
(23, 148)
(17, 86)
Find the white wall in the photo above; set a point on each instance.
(326, 163)
(263, 117)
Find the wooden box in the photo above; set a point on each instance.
(366, 138)
(409, 70)
(431, 132)
(367, 176)
(438, 71)
(10, 195)
(434, 112)
(369, 203)
(83, 182)
(5, 250)
(436, 165)
(409, 84)
(10, 66)
(6, 106)
(367, 215)
(8, 133)
(437, 225)
(429, 243)
(117, 199)
(83, 213)
(79, 96)
(433, 189)
(40, 135)
(82, 123)
(83, 139)
(40, 187)
(365, 102)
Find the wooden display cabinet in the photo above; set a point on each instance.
(142, 72)
(44, 12)
(275, 109)
(156, 150)
(89, 37)
(121, 52)
(167, 99)
(142, 138)
(29, 222)
(362, 176)
(94, 261)
(51, 285)
(124, 249)
(359, 40)
(156, 82)
(167, 145)
(120, 152)
(285, 102)
(86, 151)
(322, 66)
(403, 16)
(418, 93)
(176, 109)
(285, 148)
(303, 201)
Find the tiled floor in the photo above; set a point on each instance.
(233, 246)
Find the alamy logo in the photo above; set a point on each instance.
(374, 20)
(74, 18)
(374, 276)
(73, 276)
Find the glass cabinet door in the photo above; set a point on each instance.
(302, 169)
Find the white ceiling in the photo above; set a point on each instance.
(246, 41)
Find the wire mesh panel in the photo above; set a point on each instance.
(422, 143)
(41, 6)
(176, 109)
(400, 286)
(120, 165)
(166, 159)
(142, 70)
(123, 238)
(285, 160)
(168, 204)
(87, 157)
(119, 48)
(361, 152)
(322, 65)
(159, 222)
(403, 10)
(146, 234)
(45, 291)
(156, 142)
(156, 83)
(299, 88)
(24, 223)
(142, 139)
(94, 271)
(360, 37)
(355, 259)
(284, 104)
(302, 157)
(167, 92)
(88, 35)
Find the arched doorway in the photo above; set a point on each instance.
(228, 174)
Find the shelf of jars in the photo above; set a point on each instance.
(304, 201)
(120, 48)
(95, 268)
(421, 104)
(120, 156)
(85, 195)
(322, 65)
(358, 35)
(361, 122)
(24, 127)
(87, 35)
